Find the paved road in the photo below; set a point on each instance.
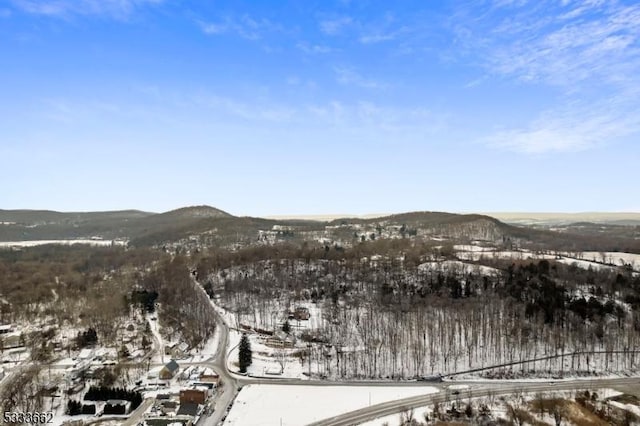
(478, 389)
(229, 385)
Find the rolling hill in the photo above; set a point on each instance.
(205, 225)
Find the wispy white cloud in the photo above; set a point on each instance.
(381, 35)
(588, 50)
(573, 127)
(376, 38)
(377, 122)
(379, 30)
(559, 45)
(387, 28)
(67, 8)
(245, 26)
(350, 77)
(257, 112)
(335, 26)
(314, 48)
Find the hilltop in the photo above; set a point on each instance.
(206, 226)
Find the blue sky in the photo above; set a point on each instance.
(316, 107)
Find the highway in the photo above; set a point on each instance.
(478, 389)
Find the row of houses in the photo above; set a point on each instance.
(184, 408)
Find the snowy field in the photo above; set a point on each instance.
(476, 255)
(612, 257)
(267, 361)
(298, 405)
(461, 267)
(34, 243)
(497, 406)
(586, 264)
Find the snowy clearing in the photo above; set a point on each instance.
(297, 405)
(461, 267)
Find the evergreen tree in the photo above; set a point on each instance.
(286, 327)
(74, 408)
(244, 353)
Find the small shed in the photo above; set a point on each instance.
(169, 370)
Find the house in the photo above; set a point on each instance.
(170, 348)
(117, 406)
(209, 376)
(183, 348)
(169, 370)
(6, 328)
(168, 421)
(176, 349)
(193, 396)
(168, 407)
(281, 340)
(188, 409)
(12, 340)
(301, 314)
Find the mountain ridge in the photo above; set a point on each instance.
(210, 226)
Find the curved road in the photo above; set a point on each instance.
(481, 389)
(230, 385)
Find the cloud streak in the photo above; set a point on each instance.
(66, 8)
(244, 26)
(589, 51)
(335, 26)
(571, 128)
(349, 77)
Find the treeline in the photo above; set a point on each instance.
(144, 299)
(185, 309)
(76, 408)
(65, 280)
(103, 393)
(86, 338)
(215, 259)
(408, 320)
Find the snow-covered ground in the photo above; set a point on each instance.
(158, 356)
(612, 257)
(267, 361)
(475, 255)
(497, 406)
(593, 259)
(585, 264)
(461, 267)
(298, 405)
(469, 247)
(35, 243)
